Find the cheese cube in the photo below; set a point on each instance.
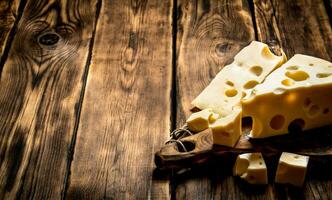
(292, 169)
(235, 81)
(199, 121)
(226, 130)
(251, 167)
(297, 96)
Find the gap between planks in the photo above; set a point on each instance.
(11, 34)
(174, 101)
(253, 17)
(129, 44)
(275, 39)
(24, 6)
(71, 149)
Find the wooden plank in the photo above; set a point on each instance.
(40, 91)
(126, 109)
(299, 27)
(209, 34)
(9, 13)
(206, 42)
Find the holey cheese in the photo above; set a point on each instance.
(292, 169)
(201, 120)
(251, 168)
(297, 96)
(235, 81)
(250, 67)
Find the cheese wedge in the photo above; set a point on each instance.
(235, 81)
(297, 96)
(251, 167)
(200, 121)
(250, 67)
(292, 169)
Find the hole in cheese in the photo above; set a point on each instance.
(296, 157)
(326, 110)
(244, 94)
(241, 166)
(279, 91)
(292, 68)
(257, 70)
(277, 122)
(307, 102)
(297, 75)
(323, 75)
(231, 92)
(296, 126)
(311, 64)
(250, 84)
(230, 83)
(313, 110)
(260, 163)
(246, 124)
(287, 82)
(266, 53)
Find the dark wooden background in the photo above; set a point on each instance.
(89, 90)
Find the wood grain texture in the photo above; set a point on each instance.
(299, 27)
(9, 13)
(206, 42)
(126, 109)
(40, 90)
(209, 34)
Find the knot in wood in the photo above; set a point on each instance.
(49, 39)
(222, 48)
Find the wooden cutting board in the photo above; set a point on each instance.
(317, 143)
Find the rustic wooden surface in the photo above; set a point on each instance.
(128, 89)
(9, 11)
(89, 90)
(206, 42)
(41, 84)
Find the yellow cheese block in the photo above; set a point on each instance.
(200, 121)
(227, 130)
(297, 96)
(250, 67)
(251, 167)
(235, 81)
(292, 169)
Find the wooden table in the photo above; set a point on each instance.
(89, 90)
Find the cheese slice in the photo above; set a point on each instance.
(295, 97)
(200, 121)
(251, 167)
(235, 81)
(292, 169)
